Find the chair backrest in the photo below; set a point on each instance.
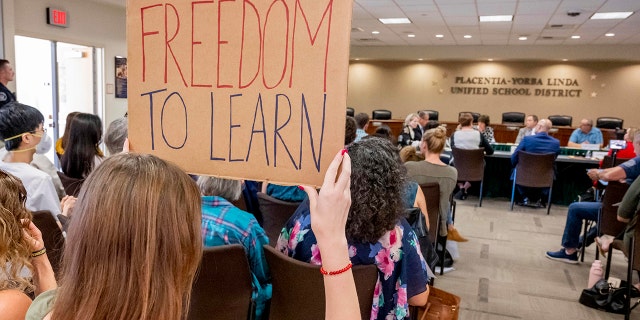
(469, 163)
(433, 114)
(607, 162)
(351, 112)
(240, 203)
(275, 214)
(475, 115)
(381, 114)
(513, 117)
(298, 287)
(613, 193)
(222, 288)
(535, 169)
(431, 192)
(636, 251)
(71, 185)
(609, 123)
(559, 120)
(52, 237)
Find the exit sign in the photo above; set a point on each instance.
(57, 17)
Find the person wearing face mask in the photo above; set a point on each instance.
(21, 127)
(41, 162)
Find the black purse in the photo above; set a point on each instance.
(606, 298)
(416, 219)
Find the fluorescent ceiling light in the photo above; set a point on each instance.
(375, 32)
(496, 18)
(439, 36)
(609, 34)
(395, 20)
(466, 36)
(611, 15)
(522, 38)
(575, 37)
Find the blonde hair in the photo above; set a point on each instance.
(435, 139)
(631, 132)
(134, 243)
(410, 117)
(14, 250)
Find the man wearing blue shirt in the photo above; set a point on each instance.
(586, 134)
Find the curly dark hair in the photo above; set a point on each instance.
(378, 181)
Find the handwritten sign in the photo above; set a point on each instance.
(252, 89)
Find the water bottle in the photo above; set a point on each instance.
(595, 273)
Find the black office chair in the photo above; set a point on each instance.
(513, 117)
(433, 114)
(475, 115)
(381, 114)
(559, 120)
(609, 123)
(351, 112)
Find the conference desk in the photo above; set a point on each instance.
(571, 178)
(503, 133)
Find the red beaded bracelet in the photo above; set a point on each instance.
(333, 273)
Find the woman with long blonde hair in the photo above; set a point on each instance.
(133, 245)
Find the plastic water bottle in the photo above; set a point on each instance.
(595, 273)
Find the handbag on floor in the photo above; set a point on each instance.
(416, 219)
(441, 305)
(606, 298)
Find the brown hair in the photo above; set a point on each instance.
(134, 243)
(67, 129)
(350, 127)
(465, 119)
(14, 250)
(484, 119)
(435, 139)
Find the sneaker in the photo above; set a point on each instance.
(464, 195)
(458, 195)
(563, 256)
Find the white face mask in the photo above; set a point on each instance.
(45, 144)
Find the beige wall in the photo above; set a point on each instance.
(608, 89)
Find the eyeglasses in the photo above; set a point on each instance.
(43, 130)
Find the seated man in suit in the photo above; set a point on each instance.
(541, 142)
(579, 211)
(586, 134)
(530, 123)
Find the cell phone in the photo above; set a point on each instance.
(617, 144)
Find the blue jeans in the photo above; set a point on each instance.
(578, 211)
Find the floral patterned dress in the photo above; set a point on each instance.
(402, 271)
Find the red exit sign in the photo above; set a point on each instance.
(57, 17)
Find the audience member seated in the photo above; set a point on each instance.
(116, 134)
(222, 224)
(541, 142)
(468, 138)
(21, 127)
(628, 152)
(82, 153)
(384, 132)
(15, 252)
(410, 153)
(485, 129)
(362, 121)
(62, 141)
(350, 129)
(529, 125)
(411, 132)
(579, 211)
(377, 232)
(432, 169)
(586, 134)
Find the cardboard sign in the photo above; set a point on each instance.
(251, 89)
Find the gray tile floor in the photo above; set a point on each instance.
(502, 272)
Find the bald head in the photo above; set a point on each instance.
(544, 125)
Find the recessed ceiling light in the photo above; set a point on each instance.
(565, 59)
(496, 18)
(420, 59)
(575, 37)
(375, 32)
(489, 59)
(356, 59)
(522, 38)
(394, 20)
(466, 36)
(611, 15)
(439, 35)
(411, 35)
(609, 34)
